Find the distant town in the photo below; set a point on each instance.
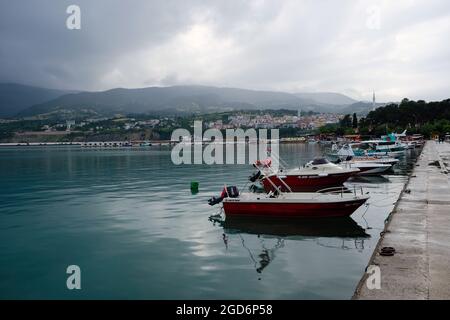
(414, 116)
(143, 127)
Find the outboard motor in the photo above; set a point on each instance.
(227, 192)
(214, 200)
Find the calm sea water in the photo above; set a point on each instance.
(130, 221)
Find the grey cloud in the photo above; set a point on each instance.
(281, 45)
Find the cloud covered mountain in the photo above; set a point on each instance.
(25, 101)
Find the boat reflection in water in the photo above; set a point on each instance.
(328, 232)
(376, 179)
(344, 227)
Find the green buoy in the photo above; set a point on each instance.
(194, 186)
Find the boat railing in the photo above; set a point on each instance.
(273, 173)
(333, 190)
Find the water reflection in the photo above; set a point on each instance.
(337, 227)
(272, 233)
(139, 209)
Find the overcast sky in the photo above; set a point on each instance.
(397, 48)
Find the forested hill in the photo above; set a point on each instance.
(419, 116)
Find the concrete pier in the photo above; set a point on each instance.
(419, 230)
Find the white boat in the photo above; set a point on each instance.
(346, 153)
(145, 144)
(367, 167)
(371, 148)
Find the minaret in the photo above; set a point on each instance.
(373, 101)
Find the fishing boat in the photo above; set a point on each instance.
(368, 165)
(327, 203)
(315, 175)
(388, 146)
(346, 153)
(382, 160)
(371, 148)
(306, 205)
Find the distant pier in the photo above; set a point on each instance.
(419, 231)
(91, 144)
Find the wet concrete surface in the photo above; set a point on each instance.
(419, 230)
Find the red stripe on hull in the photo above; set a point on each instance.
(307, 183)
(291, 210)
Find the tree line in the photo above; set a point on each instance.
(427, 118)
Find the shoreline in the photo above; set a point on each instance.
(118, 144)
(419, 229)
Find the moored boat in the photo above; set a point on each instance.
(327, 203)
(368, 167)
(315, 175)
(303, 204)
(372, 148)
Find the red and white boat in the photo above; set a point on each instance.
(315, 175)
(290, 205)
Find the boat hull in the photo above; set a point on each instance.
(394, 154)
(306, 183)
(372, 170)
(292, 210)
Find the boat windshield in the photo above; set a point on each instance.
(317, 161)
